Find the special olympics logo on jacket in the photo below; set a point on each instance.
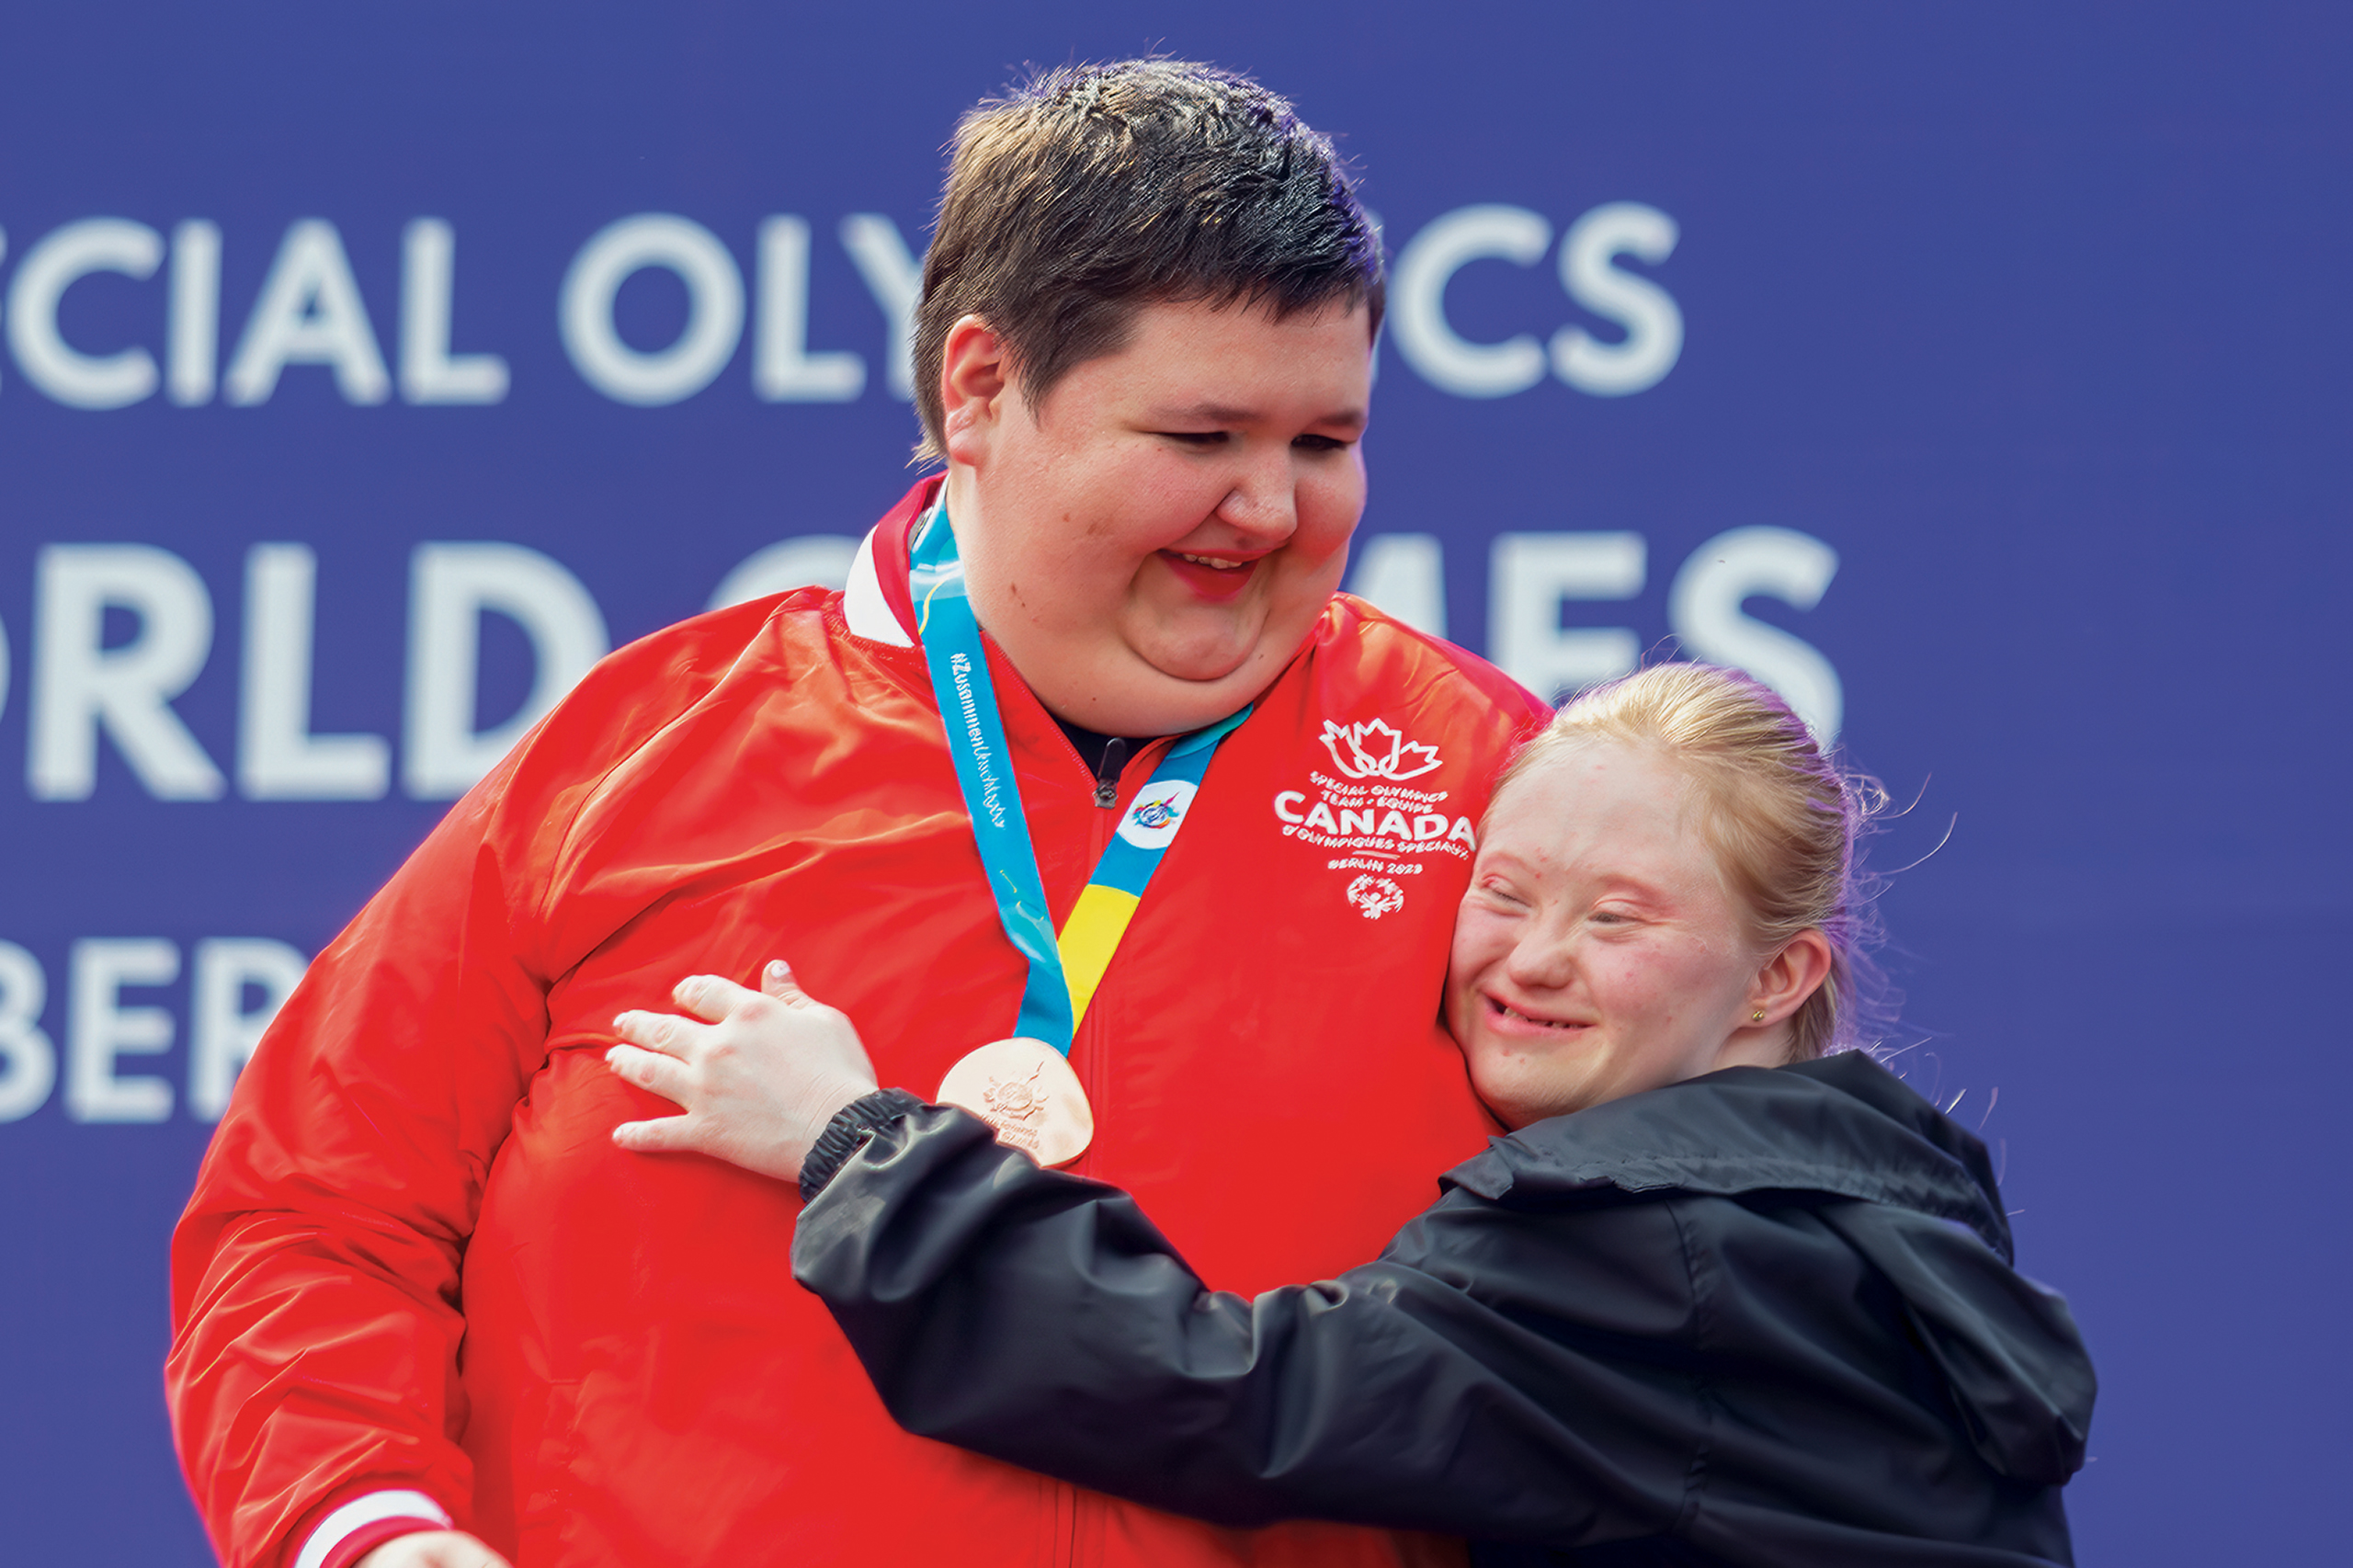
(1376, 896)
(1377, 750)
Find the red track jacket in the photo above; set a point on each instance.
(414, 1260)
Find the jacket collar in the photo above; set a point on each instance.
(875, 601)
(1843, 1126)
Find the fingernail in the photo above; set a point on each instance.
(778, 968)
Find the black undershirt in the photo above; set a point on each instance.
(1102, 760)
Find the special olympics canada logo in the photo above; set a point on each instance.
(1376, 896)
(1377, 750)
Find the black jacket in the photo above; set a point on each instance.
(1761, 1317)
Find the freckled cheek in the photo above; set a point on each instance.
(1670, 993)
(1631, 990)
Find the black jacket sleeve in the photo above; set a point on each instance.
(1495, 1374)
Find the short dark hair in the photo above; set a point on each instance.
(1094, 189)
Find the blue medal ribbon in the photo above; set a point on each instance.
(1064, 967)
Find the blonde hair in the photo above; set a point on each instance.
(1780, 817)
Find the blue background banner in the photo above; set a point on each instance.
(1975, 374)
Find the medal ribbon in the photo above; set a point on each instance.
(1064, 970)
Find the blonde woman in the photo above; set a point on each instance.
(1726, 1293)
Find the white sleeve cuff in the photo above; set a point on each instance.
(363, 1511)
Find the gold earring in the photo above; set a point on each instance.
(1758, 1017)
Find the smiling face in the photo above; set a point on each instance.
(1151, 543)
(1598, 952)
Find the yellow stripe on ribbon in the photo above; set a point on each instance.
(1088, 939)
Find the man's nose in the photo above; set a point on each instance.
(1262, 502)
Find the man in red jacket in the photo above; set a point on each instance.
(427, 1315)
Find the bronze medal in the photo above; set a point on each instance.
(1025, 1089)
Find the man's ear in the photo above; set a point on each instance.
(975, 389)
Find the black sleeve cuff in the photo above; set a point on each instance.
(848, 1130)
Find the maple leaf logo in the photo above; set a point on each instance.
(1377, 750)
